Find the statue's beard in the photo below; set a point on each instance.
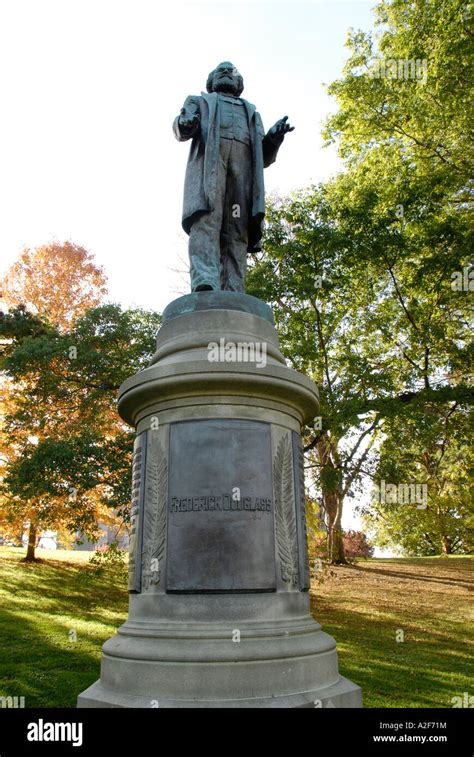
(226, 86)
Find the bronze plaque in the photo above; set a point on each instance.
(220, 507)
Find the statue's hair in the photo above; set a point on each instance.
(211, 77)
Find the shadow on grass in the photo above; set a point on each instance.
(36, 665)
(408, 576)
(427, 667)
(410, 674)
(41, 604)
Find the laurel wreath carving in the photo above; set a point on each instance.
(285, 516)
(154, 526)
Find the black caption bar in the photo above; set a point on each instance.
(376, 731)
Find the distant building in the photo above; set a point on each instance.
(47, 540)
(109, 534)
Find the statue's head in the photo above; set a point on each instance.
(225, 78)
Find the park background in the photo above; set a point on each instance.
(366, 264)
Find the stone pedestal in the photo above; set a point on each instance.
(219, 575)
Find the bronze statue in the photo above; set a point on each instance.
(224, 196)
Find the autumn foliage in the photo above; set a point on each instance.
(58, 281)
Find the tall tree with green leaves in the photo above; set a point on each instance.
(72, 452)
(319, 303)
(364, 271)
(423, 493)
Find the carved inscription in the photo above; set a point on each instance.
(223, 503)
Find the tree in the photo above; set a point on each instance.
(360, 270)
(408, 146)
(46, 289)
(73, 454)
(422, 501)
(356, 545)
(319, 302)
(412, 90)
(58, 281)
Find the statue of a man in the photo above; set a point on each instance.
(224, 196)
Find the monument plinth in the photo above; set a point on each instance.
(219, 575)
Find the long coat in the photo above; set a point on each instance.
(201, 172)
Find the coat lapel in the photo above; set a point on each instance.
(250, 109)
(212, 148)
(211, 102)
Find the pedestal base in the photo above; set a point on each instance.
(341, 694)
(219, 573)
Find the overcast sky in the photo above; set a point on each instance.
(89, 91)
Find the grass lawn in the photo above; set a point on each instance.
(366, 606)
(363, 606)
(40, 604)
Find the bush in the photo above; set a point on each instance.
(107, 560)
(356, 545)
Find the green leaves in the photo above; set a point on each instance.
(424, 110)
(359, 270)
(72, 451)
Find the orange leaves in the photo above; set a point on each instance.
(58, 281)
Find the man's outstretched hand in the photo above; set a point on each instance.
(278, 130)
(187, 122)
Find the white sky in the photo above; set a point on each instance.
(88, 93)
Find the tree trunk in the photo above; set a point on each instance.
(333, 508)
(332, 498)
(445, 545)
(30, 552)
